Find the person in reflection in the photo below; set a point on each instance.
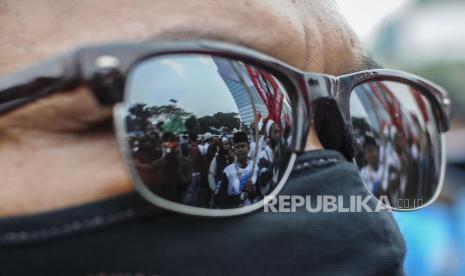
(372, 172)
(272, 133)
(253, 145)
(212, 149)
(194, 153)
(173, 172)
(185, 145)
(426, 174)
(145, 150)
(237, 183)
(389, 159)
(256, 147)
(223, 158)
(206, 143)
(266, 158)
(399, 171)
(146, 147)
(197, 193)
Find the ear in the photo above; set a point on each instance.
(333, 132)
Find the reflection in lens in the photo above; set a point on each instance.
(399, 153)
(207, 131)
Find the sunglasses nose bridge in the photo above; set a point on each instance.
(314, 86)
(319, 85)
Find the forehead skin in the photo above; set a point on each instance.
(55, 152)
(309, 35)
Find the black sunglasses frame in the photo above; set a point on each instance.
(104, 70)
(81, 67)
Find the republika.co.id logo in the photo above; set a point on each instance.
(333, 203)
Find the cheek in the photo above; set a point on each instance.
(75, 110)
(52, 170)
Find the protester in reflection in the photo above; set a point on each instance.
(254, 148)
(223, 158)
(287, 136)
(266, 158)
(185, 145)
(173, 172)
(272, 140)
(206, 142)
(389, 160)
(236, 186)
(427, 171)
(399, 173)
(372, 172)
(214, 149)
(194, 153)
(198, 192)
(211, 150)
(145, 150)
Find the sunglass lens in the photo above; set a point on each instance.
(399, 143)
(205, 131)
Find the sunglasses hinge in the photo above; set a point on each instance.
(108, 80)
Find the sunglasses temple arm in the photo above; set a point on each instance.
(41, 80)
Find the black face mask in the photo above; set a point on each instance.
(127, 235)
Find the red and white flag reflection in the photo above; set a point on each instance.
(269, 91)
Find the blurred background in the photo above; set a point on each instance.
(427, 38)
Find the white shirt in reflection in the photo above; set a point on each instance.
(238, 177)
(256, 148)
(373, 178)
(266, 153)
(389, 159)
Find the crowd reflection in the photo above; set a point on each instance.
(397, 156)
(219, 143)
(215, 171)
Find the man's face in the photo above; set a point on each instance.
(241, 150)
(226, 145)
(275, 133)
(71, 131)
(170, 147)
(372, 155)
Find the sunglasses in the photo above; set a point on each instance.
(175, 101)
